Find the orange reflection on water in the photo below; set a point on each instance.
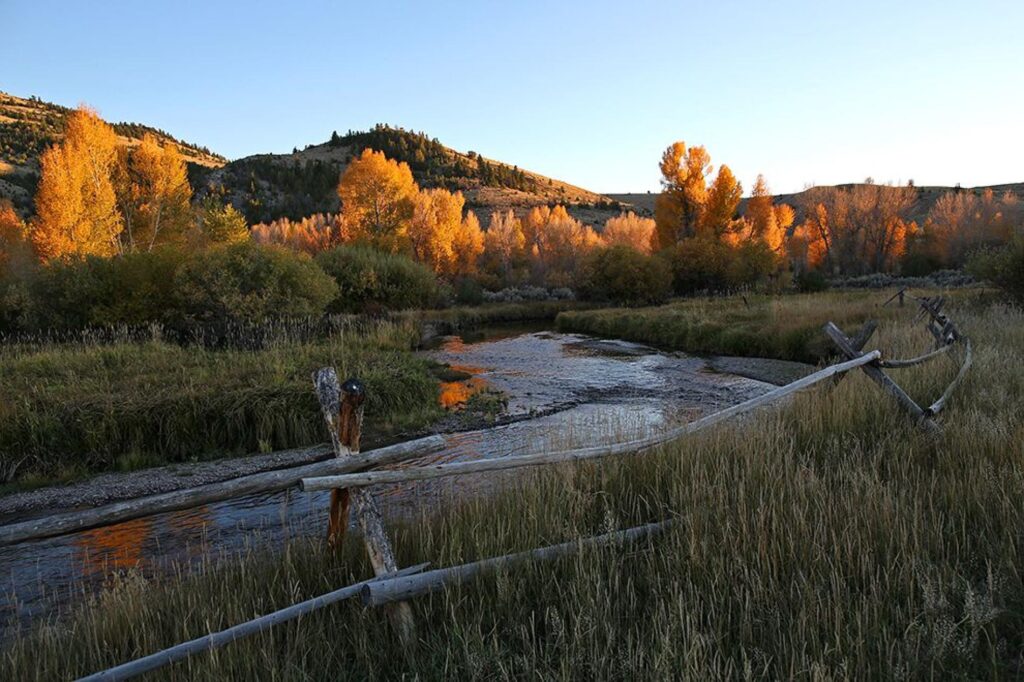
(114, 547)
(454, 394)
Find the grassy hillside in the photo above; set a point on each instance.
(269, 186)
(29, 126)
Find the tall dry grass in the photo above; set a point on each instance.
(824, 539)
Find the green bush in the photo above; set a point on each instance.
(132, 289)
(810, 281)
(1002, 266)
(369, 280)
(626, 276)
(751, 263)
(698, 264)
(249, 282)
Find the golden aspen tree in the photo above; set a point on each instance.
(76, 207)
(629, 229)
(469, 244)
(768, 222)
(721, 201)
(13, 246)
(677, 210)
(154, 195)
(504, 243)
(436, 219)
(377, 200)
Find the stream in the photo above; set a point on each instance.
(562, 390)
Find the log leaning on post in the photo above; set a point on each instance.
(430, 471)
(265, 482)
(216, 640)
(880, 378)
(342, 407)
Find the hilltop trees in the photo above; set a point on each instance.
(378, 199)
(76, 207)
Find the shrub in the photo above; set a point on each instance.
(1002, 266)
(131, 289)
(369, 279)
(624, 275)
(249, 282)
(698, 264)
(751, 262)
(810, 281)
(468, 291)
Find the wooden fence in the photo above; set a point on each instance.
(349, 472)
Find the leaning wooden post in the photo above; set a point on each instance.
(342, 407)
(882, 379)
(857, 343)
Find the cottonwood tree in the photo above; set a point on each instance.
(556, 244)
(504, 244)
(154, 196)
(76, 206)
(377, 201)
(678, 209)
(629, 229)
(436, 220)
(768, 222)
(960, 222)
(312, 234)
(14, 249)
(468, 245)
(717, 215)
(221, 224)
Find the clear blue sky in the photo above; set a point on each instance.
(589, 92)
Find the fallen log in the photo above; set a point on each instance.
(268, 481)
(400, 588)
(216, 640)
(476, 466)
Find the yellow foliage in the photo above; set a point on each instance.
(629, 229)
(377, 201)
(504, 243)
(677, 210)
(469, 245)
(76, 208)
(154, 196)
(721, 201)
(12, 236)
(432, 232)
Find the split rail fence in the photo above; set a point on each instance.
(349, 473)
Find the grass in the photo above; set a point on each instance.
(781, 327)
(70, 409)
(827, 538)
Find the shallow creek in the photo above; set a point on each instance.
(563, 390)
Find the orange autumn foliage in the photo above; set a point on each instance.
(378, 198)
(76, 207)
(629, 229)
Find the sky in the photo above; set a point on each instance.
(587, 92)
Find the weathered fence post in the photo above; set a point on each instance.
(882, 379)
(343, 411)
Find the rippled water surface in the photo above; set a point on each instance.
(569, 390)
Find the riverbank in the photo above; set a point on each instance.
(70, 410)
(827, 537)
(786, 327)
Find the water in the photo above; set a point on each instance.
(567, 390)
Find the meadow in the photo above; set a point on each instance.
(68, 409)
(755, 325)
(827, 538)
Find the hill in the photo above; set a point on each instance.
(29, 126)
(269, 186)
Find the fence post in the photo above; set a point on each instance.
(342, 407)
(882, 379)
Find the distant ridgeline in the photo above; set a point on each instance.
(268, 186)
